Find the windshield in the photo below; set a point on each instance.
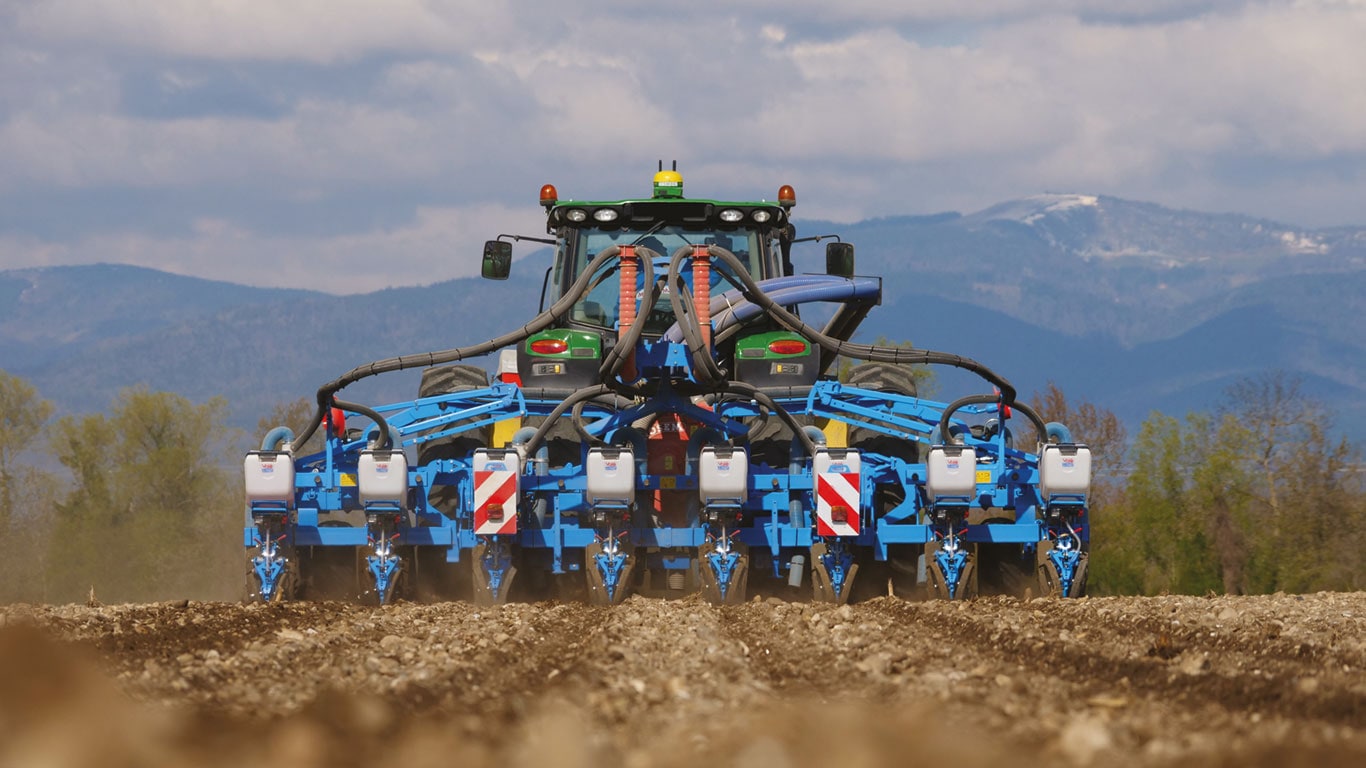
(599, 307)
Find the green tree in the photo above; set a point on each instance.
(151, 511)
(1256, 497)
(1175, 552)
(1325, 546)
(24, 489)
(1218, 448)
(1303, 501)
(23, 416)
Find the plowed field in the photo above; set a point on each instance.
(1247, 681)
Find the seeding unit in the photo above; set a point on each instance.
(666, 426)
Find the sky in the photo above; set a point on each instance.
(349, 146)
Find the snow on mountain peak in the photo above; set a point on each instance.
(1028, 210)
(1296, 242)
(1059, 203)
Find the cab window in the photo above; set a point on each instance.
(599, 307)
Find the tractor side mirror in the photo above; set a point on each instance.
(839, 259)
(497, 259)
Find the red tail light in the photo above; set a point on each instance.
(839, 514)
(787, 347)
(549, 346)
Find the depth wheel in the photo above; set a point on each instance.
(822, 586)
(738, 590)
(597, 588)
(1050, 581)
(937, 581)
(483, 593)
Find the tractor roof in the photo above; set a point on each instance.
(666, 204)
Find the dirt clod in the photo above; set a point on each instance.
(1248, 681)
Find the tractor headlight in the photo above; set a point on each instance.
(730, 215)
(761, 216)
(576, 215)
(605, 214)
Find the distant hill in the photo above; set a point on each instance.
(54, 314)
(1080, 264)
(1130, 305)
(257, 348)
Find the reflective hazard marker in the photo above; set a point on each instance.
(495, 492)
(837, 493)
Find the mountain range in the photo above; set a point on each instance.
(1130, 305)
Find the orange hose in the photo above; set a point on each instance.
(701, 290)
(626, 303)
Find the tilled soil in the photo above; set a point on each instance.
(1245, 681)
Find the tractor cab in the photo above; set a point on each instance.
(756, 233)
(665, 228)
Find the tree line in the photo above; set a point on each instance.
(145, 502)
(142, 503)
(1254, 496)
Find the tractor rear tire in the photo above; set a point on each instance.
(444, 381)
(884, 377)
(771, 442)
(897, 380)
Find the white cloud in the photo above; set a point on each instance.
(934, 11)
(855, 103)
(1062, 103)
(1270, 78)
(318, 142)
(307, 30)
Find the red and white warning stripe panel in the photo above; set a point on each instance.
(837, 492)
(496, 474)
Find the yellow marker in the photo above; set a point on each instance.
(836, 433)
(668, 483)
(348, 480)
(504, 430)
(983, 476)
